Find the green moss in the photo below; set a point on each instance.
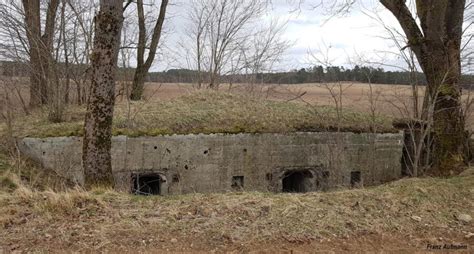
(208, 112)
(447, 89)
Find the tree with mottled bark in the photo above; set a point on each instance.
(143, 66)
(436, 42)
(100, 108)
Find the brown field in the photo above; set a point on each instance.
(378, 99)
(354, 95)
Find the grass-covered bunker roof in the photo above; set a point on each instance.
(207, 112)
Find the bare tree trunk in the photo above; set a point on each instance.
(46, 49)
(443, 72)
(100, 108)
(40, 47)
(138, 84)
(33, 32)
(66, 53)
(436, 43)
(144, 66)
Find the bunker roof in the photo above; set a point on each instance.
(207, 112)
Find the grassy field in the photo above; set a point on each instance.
(400, 217)
(377, 99)
(207, 112)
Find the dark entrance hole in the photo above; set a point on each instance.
(356, 178)
(296, 181)
(146, 184)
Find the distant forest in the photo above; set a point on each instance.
(316, 74)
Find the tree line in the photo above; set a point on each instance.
(315, 74)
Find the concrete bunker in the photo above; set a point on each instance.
(283, 162)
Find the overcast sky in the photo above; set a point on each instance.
(354, 38)
(345, 39)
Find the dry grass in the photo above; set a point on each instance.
(208, 112)
(103, 220)
(35, 218)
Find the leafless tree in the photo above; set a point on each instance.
(218, 31)
(336, 89)
(80, 45)
(434, 30)
(66, 57)
(437, 44)
(143, 65)
(261, 51)
(100, 108)
(231, 38)
(40, 47)
(199, 17)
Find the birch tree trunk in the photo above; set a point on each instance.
(100, 108)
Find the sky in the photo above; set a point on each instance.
(345, 40)
(348, 39)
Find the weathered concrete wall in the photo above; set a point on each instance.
(212, 163)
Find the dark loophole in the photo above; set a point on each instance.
(356, 178)
(237, 182)
(175, 178)
(155, 147)
(269, 176)
(186, 167)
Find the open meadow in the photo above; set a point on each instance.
(395, 100)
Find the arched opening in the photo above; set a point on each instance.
(297, 181)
